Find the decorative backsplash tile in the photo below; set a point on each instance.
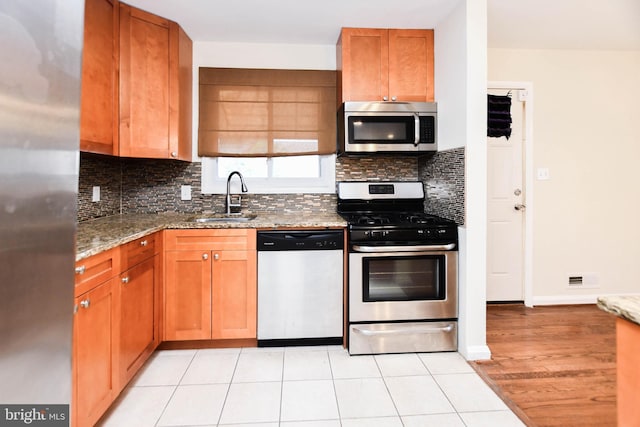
(377, 168)
(443, 177)
(153, 186)
(103, 171)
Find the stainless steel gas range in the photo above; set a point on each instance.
(403, 268)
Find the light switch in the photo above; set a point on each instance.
(543, 174)
(185, 192)
(95, 197)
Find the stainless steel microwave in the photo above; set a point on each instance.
(387, 127)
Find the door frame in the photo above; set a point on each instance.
(527, 265)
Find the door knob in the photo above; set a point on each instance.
(519, 207)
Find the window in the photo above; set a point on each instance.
(266, 113)
(271, 175)
(276, 127)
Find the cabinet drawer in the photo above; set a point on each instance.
(138, 250)
(95, 270)
(225, 239)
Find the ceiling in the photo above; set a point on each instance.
(532, 24)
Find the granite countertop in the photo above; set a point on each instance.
(98, 235)
(626, 306)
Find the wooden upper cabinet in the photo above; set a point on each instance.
(155, 87)
(411, 65)
(380, 64)
(99, 96)
(363, 64)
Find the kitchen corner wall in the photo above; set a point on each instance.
(443, 178)
(153, 186)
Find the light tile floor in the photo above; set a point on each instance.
(307, 387)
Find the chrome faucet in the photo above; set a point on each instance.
(230, 202)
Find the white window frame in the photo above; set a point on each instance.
(326, 183)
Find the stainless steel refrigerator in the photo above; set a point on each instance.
(40, 68)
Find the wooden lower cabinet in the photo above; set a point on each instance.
(94, 338)
(138, 325)
(234, 296)
(116, 323)
(210, 293)
(187, 295)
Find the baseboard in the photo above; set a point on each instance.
(565, 300)
(475, 352)
(571, 299)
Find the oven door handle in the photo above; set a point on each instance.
(418, 248)
(370, 333)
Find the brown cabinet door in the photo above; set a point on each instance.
(411, 65)
(364, 65)
(138, 325)
(187, 313)
(144, 84)
(98, 100)
(234, 299)
(155, 87)
(94, 338)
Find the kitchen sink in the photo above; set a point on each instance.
(225, 218)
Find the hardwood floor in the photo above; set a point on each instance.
(553, 365)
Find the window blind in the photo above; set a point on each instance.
(266, 113)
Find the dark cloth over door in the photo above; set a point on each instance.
(499, 116)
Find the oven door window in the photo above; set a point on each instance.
(381, 129)
(409, 278)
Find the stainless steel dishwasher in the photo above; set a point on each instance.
(300, 287)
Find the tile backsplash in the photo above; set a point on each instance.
(153, 186)
(443, 178)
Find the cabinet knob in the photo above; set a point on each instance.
(85, 303)
(125, 280)
(81, 269)
(393, 98)
(144, 243)
(384, 98)
(216, 256)
(174, 154)
(205, 256)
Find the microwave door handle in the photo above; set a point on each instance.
(417, 139)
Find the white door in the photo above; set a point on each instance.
(505, 207)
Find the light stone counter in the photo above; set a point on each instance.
(98, 235)
(626, 306)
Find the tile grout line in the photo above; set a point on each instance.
(281, 387)
(226, 396)
(335, 393)
(386, 386)
(175, 389)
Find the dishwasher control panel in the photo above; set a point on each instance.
(300, 240)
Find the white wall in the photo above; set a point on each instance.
(460, 59)
(587, 132)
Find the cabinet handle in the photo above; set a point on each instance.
(85, 303)
(125, 280)
(81, 269)
(205, 256)
(144, 243)
(174, 154)
(216, 256)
